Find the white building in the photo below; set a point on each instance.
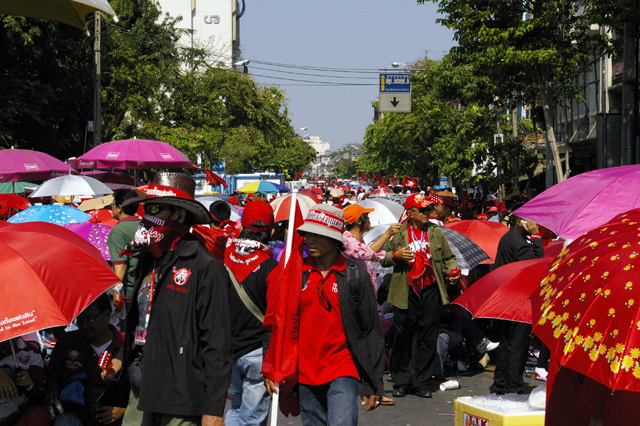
(215, 24)
(316, 143)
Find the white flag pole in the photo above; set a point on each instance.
(287, 254)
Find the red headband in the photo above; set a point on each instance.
(326, 219)
(154, 190)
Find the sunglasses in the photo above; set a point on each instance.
(154, 209)
(324, 299)
(422, 210)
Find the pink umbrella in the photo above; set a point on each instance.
(24, 164)
(585, 201)
(134, 154)
(95, 233)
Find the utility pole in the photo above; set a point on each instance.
(97, 101)
(629, 83)
(515, 159)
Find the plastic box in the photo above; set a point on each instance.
(467, 414)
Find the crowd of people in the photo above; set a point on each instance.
(184, 329)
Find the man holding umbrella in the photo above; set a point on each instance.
(421, 258)
(179, 320)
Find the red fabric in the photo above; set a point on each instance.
(421, 273)
(215, 239)
(34, 416)
(258, 211)
(214, 179)
(382, 183)
(324, 354)
(282, 320)
(410, 182)
(242, 265)
(434, 199)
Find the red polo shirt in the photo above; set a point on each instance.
(324, 354)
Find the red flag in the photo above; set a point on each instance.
(282, 319)
(410, 182)
(214, 179)
(382, 183)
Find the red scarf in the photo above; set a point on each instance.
(245, 256)
(421, 273)
(215, 239)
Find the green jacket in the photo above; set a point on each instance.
(444, 261)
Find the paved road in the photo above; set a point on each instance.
(414, 411)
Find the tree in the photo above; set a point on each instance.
(523, 58)
(442, 134)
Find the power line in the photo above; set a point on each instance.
(315, 68)
(328, 83)
(313, 75)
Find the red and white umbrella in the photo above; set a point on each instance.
(282, 206)
(381, 192)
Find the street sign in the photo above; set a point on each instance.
(394, 102)
(345, 155)
(395, 83)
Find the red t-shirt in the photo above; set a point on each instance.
(324, 354)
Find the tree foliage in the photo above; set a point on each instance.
(151, 88)
(523, 59)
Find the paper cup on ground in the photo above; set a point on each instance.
(449, 385)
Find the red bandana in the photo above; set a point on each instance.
(245, 256)
(421, 273)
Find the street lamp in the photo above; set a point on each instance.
(243, 63)
(398, 64)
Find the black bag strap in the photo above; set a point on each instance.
(248, 303)
(353, 280)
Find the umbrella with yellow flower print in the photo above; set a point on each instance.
(586, 307)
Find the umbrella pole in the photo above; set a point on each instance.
(13, 350)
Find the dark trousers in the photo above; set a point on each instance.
(511, 357)
(421, 318)
(470, 330)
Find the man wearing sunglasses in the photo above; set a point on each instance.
(179, 321)
(421, 259)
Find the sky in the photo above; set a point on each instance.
(356, 38)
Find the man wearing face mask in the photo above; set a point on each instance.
(421, 259)
(179, 322)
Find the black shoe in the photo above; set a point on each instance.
(399, 393)
(423, 394)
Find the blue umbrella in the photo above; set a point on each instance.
(281, 188)
(51, 213)
(468, 254)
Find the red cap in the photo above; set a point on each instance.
(255, 211)
(501, 207)
(233, 200)
(416, 200)
(493, 209)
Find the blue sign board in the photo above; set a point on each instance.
(395, 83)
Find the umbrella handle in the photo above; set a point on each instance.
(15, 356)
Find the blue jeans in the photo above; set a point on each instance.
(249, 397)
(447, 340)
(335, 403)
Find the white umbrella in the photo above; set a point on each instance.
(208, 200)
(71, 185)
(70, 12)
(386, 211)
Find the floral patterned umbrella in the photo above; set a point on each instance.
(95, 233)
(51, 213)
(586, 307)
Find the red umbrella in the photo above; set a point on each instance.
(586, 308)
(314, 193)
(484, 233)
(345, 188)
(54, 274)
(381, 192)
(504, 292)
(12, 202)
